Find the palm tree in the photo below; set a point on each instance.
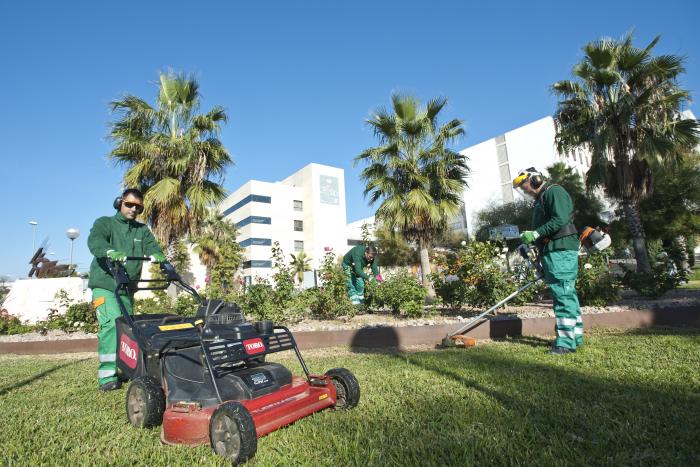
(300, 264)
(623, 105)
(214, 233)
(172, 154)
(417, 180)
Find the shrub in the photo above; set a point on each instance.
(400, 292)
(331, 299)
(10, 324)
(477, 275)
(80, 316)
(258, 302)
(664, 276)
(595, 284)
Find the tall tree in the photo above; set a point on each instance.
(417, 180)
(624, 104)
(173, 154)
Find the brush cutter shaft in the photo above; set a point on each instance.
(471, 323)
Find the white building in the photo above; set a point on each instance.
(495, 162)
(304, 212)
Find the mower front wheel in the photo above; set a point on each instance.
(347, 389)
(145, 403)
(232, 432)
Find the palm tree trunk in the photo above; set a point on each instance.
(425, 269)
(634, 222)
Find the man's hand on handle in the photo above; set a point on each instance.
(529, 236)
(116, 256)
(157, 258)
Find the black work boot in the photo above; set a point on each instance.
(560, 351)
(111, 386)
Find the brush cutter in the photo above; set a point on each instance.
(453, 339)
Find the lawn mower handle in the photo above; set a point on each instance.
(121, 277)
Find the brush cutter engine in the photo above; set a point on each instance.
(594, 240)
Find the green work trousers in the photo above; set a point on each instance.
(107, 310)
(560, 271)
(356, 286)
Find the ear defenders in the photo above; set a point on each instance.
(536, 179)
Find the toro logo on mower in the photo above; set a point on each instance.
(253, 346)
(128, 351)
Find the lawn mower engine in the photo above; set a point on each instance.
(206, 379)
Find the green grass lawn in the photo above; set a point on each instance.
(626, 398)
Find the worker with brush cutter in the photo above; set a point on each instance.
(555, 236)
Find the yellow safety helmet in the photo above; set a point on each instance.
(535, 177)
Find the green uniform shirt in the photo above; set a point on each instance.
(118, 233)
(553, 210)
(355, 258)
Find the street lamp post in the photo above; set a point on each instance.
(72, 234)
(33, 224)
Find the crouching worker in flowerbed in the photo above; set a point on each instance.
(354, 263)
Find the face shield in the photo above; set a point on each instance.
(518, 183)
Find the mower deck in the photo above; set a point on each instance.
(188, 424)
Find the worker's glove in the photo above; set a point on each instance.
(529, 236)
(157, 258)
(116, 256)
(379, 278)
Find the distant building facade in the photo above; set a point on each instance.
(304, 212)
(495, 162)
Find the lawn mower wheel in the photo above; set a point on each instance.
(145, 403)
(232, 433)
(347, 388)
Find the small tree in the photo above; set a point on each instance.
(300, 264)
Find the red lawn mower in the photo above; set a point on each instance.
(205, 378)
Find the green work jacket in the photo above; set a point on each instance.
(553, 209)
(355, 259)
(118, 233)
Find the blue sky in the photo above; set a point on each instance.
(298, 80)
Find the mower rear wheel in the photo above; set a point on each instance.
(232, 432)
(347, 389)
(145, 402)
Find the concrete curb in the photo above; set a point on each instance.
(405, 336)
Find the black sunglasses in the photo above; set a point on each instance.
(139, 207)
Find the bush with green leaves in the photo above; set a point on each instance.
(10, 324)
(595, 284)
(477, 275)
(400, 292)
(331, 298)
(663, 277)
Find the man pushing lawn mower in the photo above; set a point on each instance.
(555, 236)
(115, 237)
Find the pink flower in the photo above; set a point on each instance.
(327, 248)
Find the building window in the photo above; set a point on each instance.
(246, 200)
(256, 241)
(504, 168)
(298, 226)
(256, 263)
(298, 245)
(298, 205)
(254, 220)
